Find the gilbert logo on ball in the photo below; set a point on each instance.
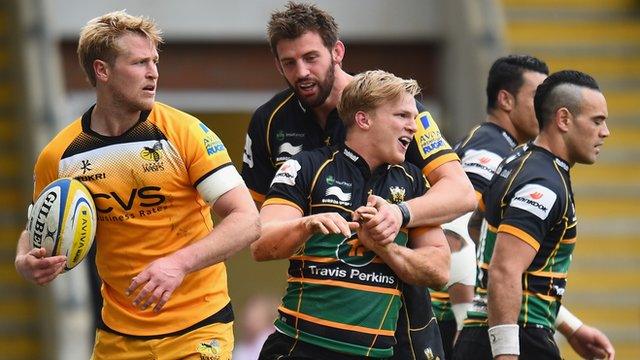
(63, 221)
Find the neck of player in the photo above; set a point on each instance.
(322, 112)
(109, 119)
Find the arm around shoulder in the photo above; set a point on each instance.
(450, 196)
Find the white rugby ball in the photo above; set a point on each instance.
(63, 221)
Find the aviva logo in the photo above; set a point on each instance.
(337, 192)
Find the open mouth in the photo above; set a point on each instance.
(306, 86)
(151, 88)
(404, 141)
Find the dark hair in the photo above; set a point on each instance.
(506, 74)
(551, 95)
(298, 19)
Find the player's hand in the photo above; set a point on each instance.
(329, 223)
(364, 214)
(38, 269)
(591, 343)
(158, 281)
(385, 225)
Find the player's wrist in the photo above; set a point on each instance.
(567, 323)
(505, 339)
(405, 213)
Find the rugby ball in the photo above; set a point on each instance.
(63, 221)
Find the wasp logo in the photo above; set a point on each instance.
(152, 153)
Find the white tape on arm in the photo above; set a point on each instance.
(505, 339)
(460, 313)
(219, 183)
(566, 322)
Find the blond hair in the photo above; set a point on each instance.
(98, 38)
(370, 89)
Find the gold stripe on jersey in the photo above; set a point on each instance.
(281, 201)
(339, 207)
(569, 241)
(481, 205)
(439, 161)
(345, 284)
(439, 295)
(318, 172)
(334, 324)
(313, 258)
(271, 119)
(143, 183)
(541, 296)
(550, 274)
(520, 235)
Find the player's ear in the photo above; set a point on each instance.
(101, 69)
(505, 101)
(563, 119)
(362, 120)
(338, 51)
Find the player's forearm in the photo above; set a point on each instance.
(23, 244)
(279, 239)
(449, 198)
(236, 231)
(474, 225)
(423, 267)
(505, 295)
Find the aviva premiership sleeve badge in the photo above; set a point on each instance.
(428, 136)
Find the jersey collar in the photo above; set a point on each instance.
(510, 139)
(563, 164)
(86, 123)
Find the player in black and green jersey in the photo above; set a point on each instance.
(531, 227)
(510, 120)
(343, 297)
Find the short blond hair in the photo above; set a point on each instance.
(370, 89)
(98, 38)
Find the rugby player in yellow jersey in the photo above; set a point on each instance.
(155, 174)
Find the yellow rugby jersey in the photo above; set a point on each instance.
(152, 187)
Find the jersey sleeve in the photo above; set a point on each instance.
(480, 166)
(292, 183)
(531, 211)
(257, 168)
(208, 164)
(45, 170)
(429, 149)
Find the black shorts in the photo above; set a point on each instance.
(417, 334)
(279, 346)
(536, 343)
(448, 329)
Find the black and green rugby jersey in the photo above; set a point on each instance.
(282, 127)
(531, 198)
(340, 295)
(480, 152)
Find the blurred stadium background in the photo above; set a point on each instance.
(216, 64)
